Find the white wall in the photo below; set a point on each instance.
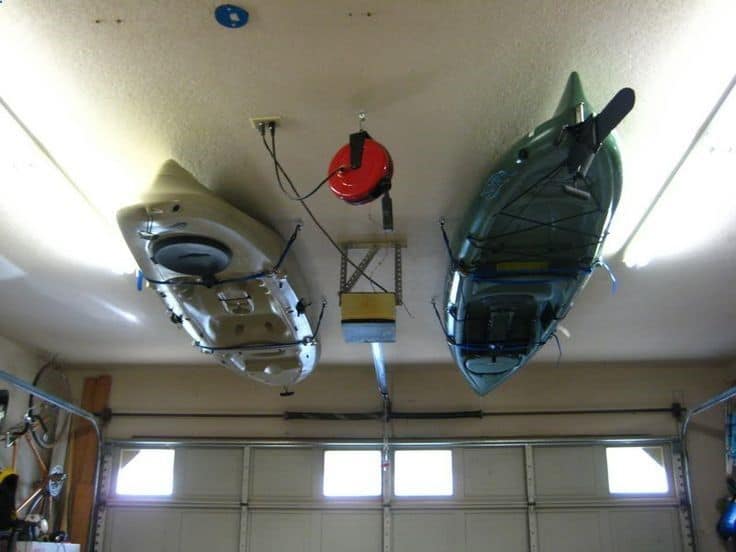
(23, 362)
(440, 387)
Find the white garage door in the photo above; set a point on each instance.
(550, 496)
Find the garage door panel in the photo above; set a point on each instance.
(282, 495)
(200, 530)
(428, 532)
(571, 531)
(645, 530)
(496, 532)
(202, 474)
(149, 529)
(276, 531)
(351, 532)
(283, 474)
(569, 472)
(494, 473)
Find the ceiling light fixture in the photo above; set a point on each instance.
(697, 201)
(41, 201)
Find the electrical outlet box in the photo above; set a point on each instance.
(255, 121)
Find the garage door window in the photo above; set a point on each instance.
(146, 472)
(352, 473)
(636, 470)
(423, 473)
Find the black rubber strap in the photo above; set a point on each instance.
(387, 208)
(357, 143)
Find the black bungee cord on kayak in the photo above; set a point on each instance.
(263, 346)
(237, 279)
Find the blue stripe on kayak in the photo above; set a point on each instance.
(512, 277)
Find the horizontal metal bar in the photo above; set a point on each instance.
(436, 415)
(334, 416)
(399, 504)
(194, 415)
(332, 504)
(377, 415)
(433, 503)
(143, 503)
(585, 412)
(439, 504)
(196, 442)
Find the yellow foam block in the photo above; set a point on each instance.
(368, 306)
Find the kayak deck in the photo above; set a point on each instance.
(225, 278)
(528, 245)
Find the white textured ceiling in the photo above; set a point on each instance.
(113, 89)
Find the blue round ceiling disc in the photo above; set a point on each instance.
(231, 16)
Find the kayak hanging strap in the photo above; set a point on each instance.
(319, 319)
(439, 318)
(453, 262)
(291, 241)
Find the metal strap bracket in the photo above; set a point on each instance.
(371, 248)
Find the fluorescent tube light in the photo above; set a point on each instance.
(698, 201)
(44, 206)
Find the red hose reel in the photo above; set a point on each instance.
(361, 171)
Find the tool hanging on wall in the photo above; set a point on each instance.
(361, 171)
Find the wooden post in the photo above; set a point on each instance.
(95, 398)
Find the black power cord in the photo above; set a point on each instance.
(279, 170)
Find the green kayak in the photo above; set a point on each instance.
(532, 238)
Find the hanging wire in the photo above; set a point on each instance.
(279, 170)
(446, 240)
(439, 317)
